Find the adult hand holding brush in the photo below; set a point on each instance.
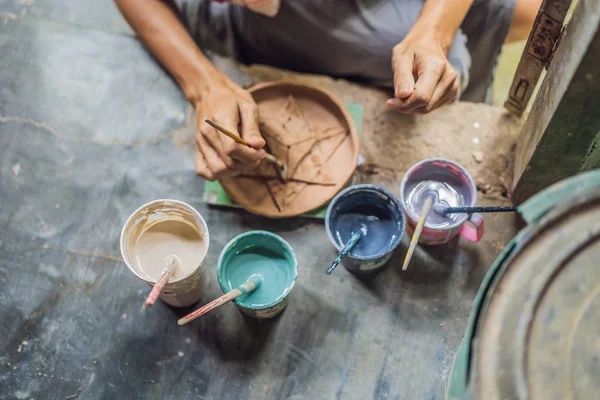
(211, 92)
(216, 154)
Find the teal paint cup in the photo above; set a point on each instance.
(266, 254)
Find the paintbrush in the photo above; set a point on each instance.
(251, 284)
(354, 238)
(281, 167)
(171, 262)
(415, 238)
(441, 209)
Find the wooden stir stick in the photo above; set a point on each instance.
(171, 262)
(250, 285)
(415, 238)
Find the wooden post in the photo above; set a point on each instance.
(537, 54)
(561, 135)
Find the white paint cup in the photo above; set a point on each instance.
(182, 292)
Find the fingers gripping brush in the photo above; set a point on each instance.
(282, 169)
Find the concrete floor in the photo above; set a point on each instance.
(87, 119)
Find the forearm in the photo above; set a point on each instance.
(159, 27)
(439, 20)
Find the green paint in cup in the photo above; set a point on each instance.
(265, 254)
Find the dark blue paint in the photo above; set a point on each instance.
(380, 226)
(370, 210)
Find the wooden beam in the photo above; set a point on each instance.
(561, 135)
(537, 53)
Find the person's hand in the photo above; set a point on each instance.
(218, 155)
(423, 78)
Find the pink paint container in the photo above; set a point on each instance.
(181, 292)
(452, 186)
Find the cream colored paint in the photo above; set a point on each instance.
(164, 239)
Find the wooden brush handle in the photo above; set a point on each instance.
(227, 132)
(226, 298)
(270, 157)
(162, 281)
(415, 239)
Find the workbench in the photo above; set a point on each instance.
(91, 128)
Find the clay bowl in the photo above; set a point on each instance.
(318, 106)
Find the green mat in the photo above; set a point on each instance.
(216, 196)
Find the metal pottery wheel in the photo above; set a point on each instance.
(539, 335)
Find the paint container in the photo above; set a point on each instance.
(181, 292)
(370, 207)
(452, 185)
(266, 254)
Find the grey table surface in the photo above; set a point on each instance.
(91, 128)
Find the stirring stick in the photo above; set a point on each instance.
(415, 239)
(441, 209)
(351, 243)
(171, 262)
(251, 284)
(282, 168)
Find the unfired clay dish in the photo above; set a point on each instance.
(312, 132)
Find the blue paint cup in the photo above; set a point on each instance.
(267, 255)
(372, 210)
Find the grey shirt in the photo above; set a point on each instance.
(350, 39)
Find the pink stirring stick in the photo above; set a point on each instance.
(171, 262)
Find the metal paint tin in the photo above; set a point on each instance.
(460, 182)
(185, 291)
(279, 268)
(533, 329)
(365, 199)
